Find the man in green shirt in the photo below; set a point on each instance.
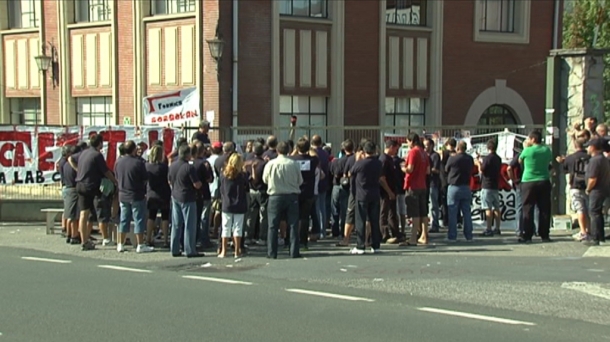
(536, 187)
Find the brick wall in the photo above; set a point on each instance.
(51, 34)
(124, 41)
(362, 63)
(471, 67)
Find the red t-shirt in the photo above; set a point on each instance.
(416, 180)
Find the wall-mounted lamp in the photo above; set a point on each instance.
(46, 62)
(216, 46)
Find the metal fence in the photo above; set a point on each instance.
(333, 136)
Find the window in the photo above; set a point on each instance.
(405, 112)
(160, 7)
(497, 115)
(310, 113)
(23, 13)
(88, 11)
(94, 111)
(502, 21)
(406, 12)
(304, 8)
(498, 16)
(25, 111)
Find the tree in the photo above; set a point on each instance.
(586, 24)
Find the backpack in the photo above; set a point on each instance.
(578, 178)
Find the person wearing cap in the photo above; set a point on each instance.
(202, 133)
(598, 189)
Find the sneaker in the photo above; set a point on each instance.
(579, 236)
(375, 251)
(107, 242)
(392, 241)
(487, 233)
(144, 249)
(356, 251)
(261, 242)
(88, 246)
(120, 247)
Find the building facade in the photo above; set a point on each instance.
(329, 62)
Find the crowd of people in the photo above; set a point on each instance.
(284, 193)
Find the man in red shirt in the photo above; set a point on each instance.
(417, 167)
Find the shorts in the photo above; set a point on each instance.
(86, 197)
(103, 212)
(579, 201)
(417, 203)
(70, 204)
(232, 225)
(401, 207)
(350, 217)
(490, 199)
(154, 206)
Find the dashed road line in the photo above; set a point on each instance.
(55, 261)
(218, 280)
(126, 269)
(590, 289)
(475, 316)
(330, 295)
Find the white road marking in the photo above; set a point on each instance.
(590, 289)
(126, 269)
(218, 280)
(475, 316)
(55, 261)
(597, 252)
(330, 295)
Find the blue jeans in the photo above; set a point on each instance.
(435, 194)
(459, 198)
(339, 209)
(204, 230)
(184, 215)
(321, 211)
(133, 210)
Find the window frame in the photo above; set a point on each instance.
(107, 114)
(21, 113)
(15, 11)
(308, 130)
(511, 16)
(309, 6)
(409, 113)
(154, 7)
(504, 113)
(79, 6)
(521, 24)
(423, 12)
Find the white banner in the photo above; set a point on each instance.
(28, 154)
(172, 107)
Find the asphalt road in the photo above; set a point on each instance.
(424, 294)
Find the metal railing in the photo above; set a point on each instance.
(331, 135)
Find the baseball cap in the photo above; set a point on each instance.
(217, 144)
(598, 143)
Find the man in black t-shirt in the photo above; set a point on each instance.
(448, 151)
(598, 189)
(308, 165)
(388, 216)
(435, 184)
(340, 193)
(185, 183)
(490, 195)
(202, 133)
(257, 212)
(575, 166)
(204, 197)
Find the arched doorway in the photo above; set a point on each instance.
(497, 115)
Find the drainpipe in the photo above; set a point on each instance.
(556, 28)
(235, 67)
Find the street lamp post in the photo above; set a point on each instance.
(44, 62)
(216, 46)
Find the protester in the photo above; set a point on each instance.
(490, 169)
(575, 166)
(90, 169)
(598, 189)
(257, 211)
(202, 133)
(234, 190)
(435, 184)
(448, 151)
(417, 167)
(271, 152)
(389, 184)
(158, 195)
(323, 184)
(185, 183)
(203, 195)
(132, 177)
(536, 187)
(365, 177)
(459, 197)
(308, 166)
(283, 178)
(70, 197)
(215, 216)
(350, 206)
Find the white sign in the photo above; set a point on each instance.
(28, 155)
(171, 107)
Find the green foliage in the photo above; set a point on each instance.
(580, 22)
